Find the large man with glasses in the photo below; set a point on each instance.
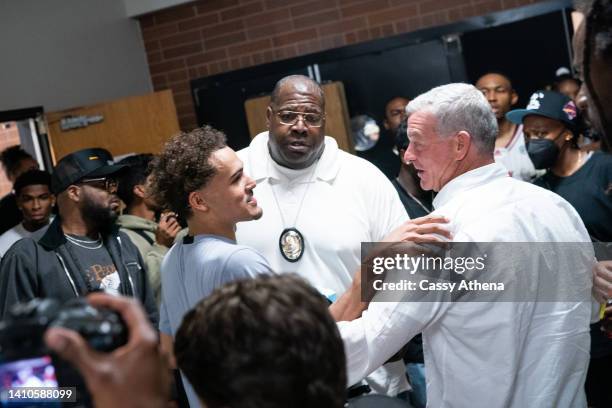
(82, 250)
(320, 202)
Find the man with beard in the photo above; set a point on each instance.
(510, 149)
(383, 154)
(593, 60)
(82, 251)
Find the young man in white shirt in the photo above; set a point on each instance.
(35, 201)
(510, 147)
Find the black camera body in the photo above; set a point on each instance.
(22, 333)
(25, 361)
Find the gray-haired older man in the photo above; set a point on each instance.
(493, 353)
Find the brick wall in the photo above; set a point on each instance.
(212, 36)
(9, 136)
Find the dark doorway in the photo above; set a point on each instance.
(371, 79)
(528, 51)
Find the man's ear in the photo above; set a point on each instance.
(269, 114)
(386, 124)
(197, 202)
(139, 191)
(74, 193)
(52, 200)
(462, 146)
(513, 98)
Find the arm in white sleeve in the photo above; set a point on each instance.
(382, 330)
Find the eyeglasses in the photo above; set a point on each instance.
(105, 183)
(290, 118)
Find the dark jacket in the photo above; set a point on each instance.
(10, 214)
(43, 266)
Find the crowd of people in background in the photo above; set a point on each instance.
(247, 265)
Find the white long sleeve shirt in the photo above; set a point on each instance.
(490, 354)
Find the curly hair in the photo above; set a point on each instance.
(263, 342)
(183, 167)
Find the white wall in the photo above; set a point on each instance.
(67, 53)
(139, 7)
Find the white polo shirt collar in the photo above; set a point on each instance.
(262, 166)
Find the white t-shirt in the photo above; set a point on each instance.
(492, 354)
(11, 236)
(514, 157)
(350, 201)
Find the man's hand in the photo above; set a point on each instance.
(134, 375)
(167, 229)
(602, 281)
(430, 228)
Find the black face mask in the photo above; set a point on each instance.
(543, 153)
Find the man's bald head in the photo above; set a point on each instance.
(296, 122)
(300, 83)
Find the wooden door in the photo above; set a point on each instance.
(137, 124)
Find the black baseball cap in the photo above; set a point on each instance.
(551, 104)
(86, 163)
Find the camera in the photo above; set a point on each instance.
(22, 333)
(25, 360)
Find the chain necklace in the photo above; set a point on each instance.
(291, 240)
(97, 244)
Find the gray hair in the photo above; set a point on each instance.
(459, 107)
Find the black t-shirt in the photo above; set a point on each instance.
(9, 213)
(98, 267)
(413, 208)
(589, 191)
